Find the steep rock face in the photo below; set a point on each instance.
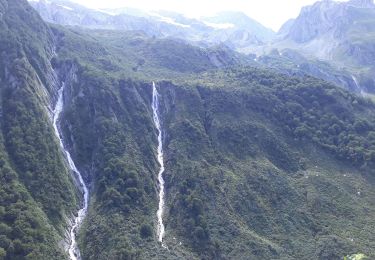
(285, 28)
(362, 3)
(38, 52)
(324, 17)
(331, 20)
(341, 33)
(319, 19)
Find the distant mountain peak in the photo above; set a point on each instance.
(324, 17)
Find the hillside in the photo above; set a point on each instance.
(326, 25)
(338, 32)
(192, 147)
(37, 194)
(258, 164)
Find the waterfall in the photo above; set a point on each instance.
(156, 116)
(358, 87)
(74, 253)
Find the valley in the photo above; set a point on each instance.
(122, 137)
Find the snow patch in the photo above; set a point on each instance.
(169, 20)
(65, 7)
(219, 25)
(105, 12)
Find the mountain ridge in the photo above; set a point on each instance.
(159, 23)
(258, 164)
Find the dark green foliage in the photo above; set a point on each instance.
(24, 229)
(235, 159)
(32, 148)
(146, 231)
(241, 183)
(23, 34)
(112, 133)
(255, 161)
(309, 109)
(103, 243)
(37, 193)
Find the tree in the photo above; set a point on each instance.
(146, 231)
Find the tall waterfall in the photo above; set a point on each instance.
(74, 253)
(359, 88)
(156, 116)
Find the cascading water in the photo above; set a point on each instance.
(360, 90)
(74, 253)
(156, 112)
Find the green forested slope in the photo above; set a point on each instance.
(37, 193)
(264, 166)
(258, 165)
(111, 127)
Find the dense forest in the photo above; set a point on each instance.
(259, 165)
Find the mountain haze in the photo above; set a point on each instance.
(236, 29)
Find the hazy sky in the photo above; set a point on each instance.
(271, 13)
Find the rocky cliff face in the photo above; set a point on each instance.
(339, 32)
(362, 3)
(323, 17)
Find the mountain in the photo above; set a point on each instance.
(239, 30)
(256, 163)
(339, 32)
(241, 21)
(231, 29)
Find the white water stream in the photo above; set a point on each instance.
(360, 90)
(156, 116)
(73, 249)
